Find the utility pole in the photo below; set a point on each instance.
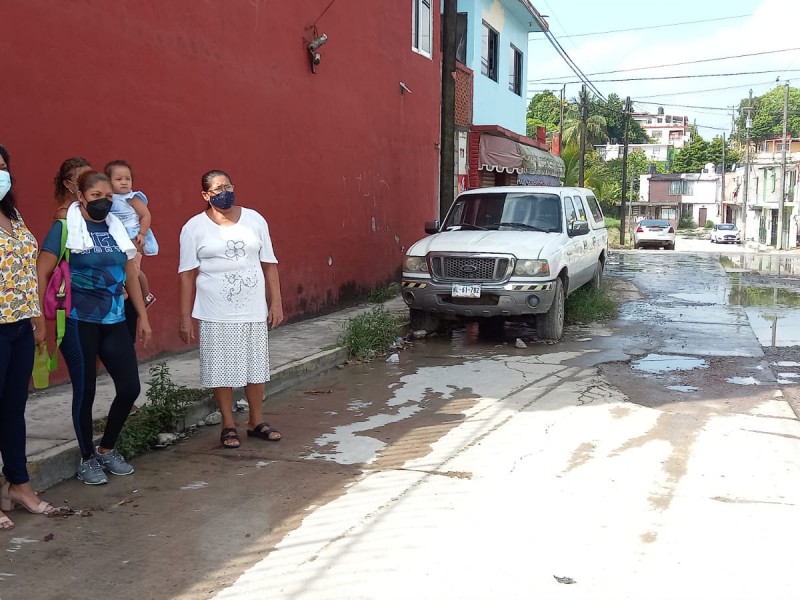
(748, 123)
(625, 117)
(781, 245)
(722, 200)
(584, 118)
(447, 148)
(561, 121)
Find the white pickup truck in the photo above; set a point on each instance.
(506, 253)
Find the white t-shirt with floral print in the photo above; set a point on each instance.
(20, 292)
(230, 280)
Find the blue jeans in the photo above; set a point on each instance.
(16, 366)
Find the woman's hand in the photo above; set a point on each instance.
(138, 241)
(275, 316)
(39, 330)
(186, 330)
(143, 331)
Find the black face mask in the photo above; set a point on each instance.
(98, 209)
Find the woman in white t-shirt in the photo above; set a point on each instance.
(227, 271)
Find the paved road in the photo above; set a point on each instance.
(621, 459)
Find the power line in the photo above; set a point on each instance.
(574, 35)
(718, 89)
(677, 64)
(571, 64)
(691, 76)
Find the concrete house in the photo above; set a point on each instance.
(491, 97)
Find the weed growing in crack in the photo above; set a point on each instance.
(370, 334)
(588, 304)
(166, 407)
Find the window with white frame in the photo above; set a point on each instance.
(515, 74)
(489, 52)
(681, 187)
(421, 26)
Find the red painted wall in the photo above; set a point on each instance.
(342, 165)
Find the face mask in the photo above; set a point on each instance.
(5, 183)
(223, 200)
(98, 209)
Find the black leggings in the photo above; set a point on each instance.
(83, 344)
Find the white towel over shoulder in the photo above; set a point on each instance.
(78, 237)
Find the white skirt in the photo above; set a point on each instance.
(233, 354)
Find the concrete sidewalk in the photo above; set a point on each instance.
(298, 351)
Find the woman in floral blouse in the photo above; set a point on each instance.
(19, 315)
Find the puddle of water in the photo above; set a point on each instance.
(789, 375)
(743, 380)
(787, 363)
(765, 264)
(685, 389)
(664, 363)
(750, 295)
(777, 326)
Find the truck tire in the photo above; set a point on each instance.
(550, 326)
(597, 280)
(421, 319)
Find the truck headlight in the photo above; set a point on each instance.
(530, 268)
(415, 264)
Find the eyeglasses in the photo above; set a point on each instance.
(225, 188)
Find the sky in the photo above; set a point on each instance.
(667, 33)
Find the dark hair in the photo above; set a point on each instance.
(90, 179)
(65, 172)
(207, 177)
(8, 205)
(109, 168)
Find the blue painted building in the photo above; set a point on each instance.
(491, 71)
(492, 40)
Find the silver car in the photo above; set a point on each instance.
(654, 233)
(726, 233)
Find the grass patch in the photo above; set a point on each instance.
(383, 294)
(613, 240)
(612, 223)
(370, 334)
(588, 304)
(167, 405)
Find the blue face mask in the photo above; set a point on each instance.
(5, 183)
(223, 200)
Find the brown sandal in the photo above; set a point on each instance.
(229, 434)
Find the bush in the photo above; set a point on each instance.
(167, 405)
(686, 222)
(589, 304)
(709, 224)
(382, 294)
(612, 223)
(370, 334)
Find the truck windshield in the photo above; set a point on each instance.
(506, 211)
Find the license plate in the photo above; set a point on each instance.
(466, 290)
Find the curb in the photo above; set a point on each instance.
(56, 464)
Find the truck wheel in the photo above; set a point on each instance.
(550, 326)
(421, 319)
(597, 280)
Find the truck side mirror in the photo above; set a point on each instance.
(579, 228)
(432, 226)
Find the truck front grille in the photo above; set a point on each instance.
(468, 268)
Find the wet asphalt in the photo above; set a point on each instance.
(652, 456)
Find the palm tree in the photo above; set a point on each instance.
(595, 177)
(596, 131)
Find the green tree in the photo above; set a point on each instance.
(692, 158)
(637, 166)
(612, 109)
(732, 155)
(595, 127)
(767, 114)
(544, 110)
